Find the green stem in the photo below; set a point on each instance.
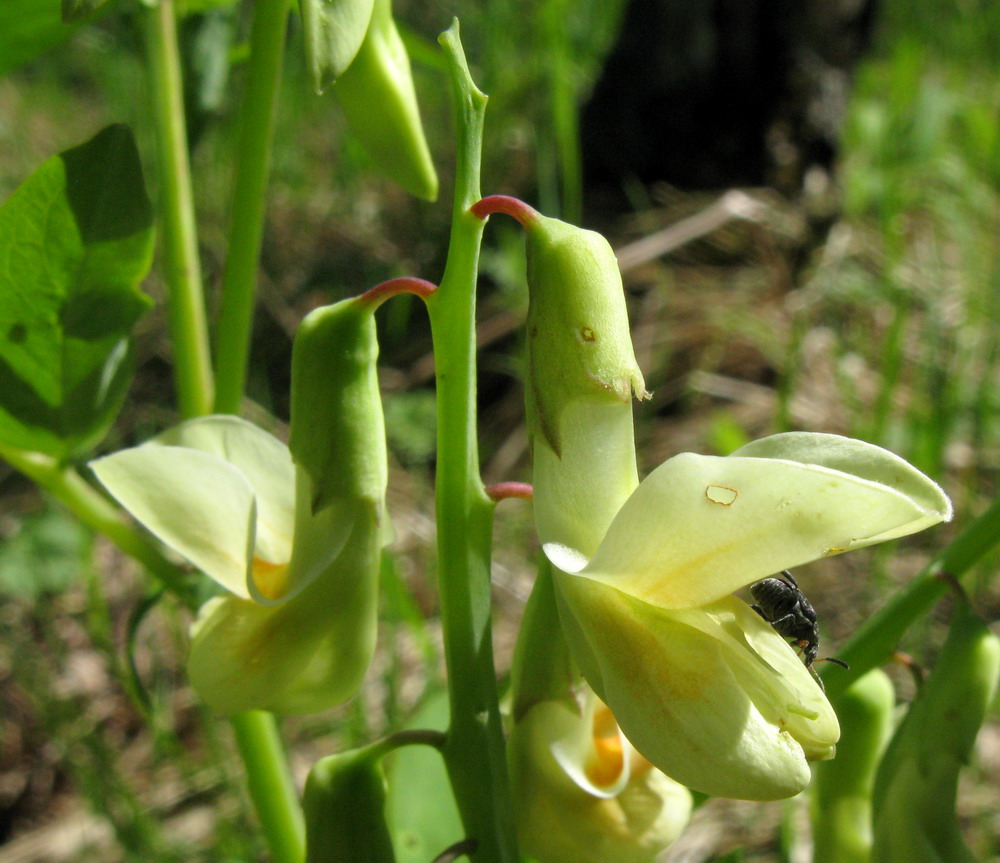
(474, 752)
(872, 645)
(267, 46)
(270, 785)
(95, 511)
(188, 330)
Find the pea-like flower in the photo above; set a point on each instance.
(292, 536)
(583, 793)
(701, 685)
(297, 628)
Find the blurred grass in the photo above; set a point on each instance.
(890, 331)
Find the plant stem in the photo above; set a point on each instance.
(873, 644)
(270, 785)
(474, 752)
(267, 47)
(182, 269)
(95, 511)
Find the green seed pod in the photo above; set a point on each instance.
(333, 31)
(377, 95)
(344, 804)
(916, 785)
(337, 420)
(842, 788)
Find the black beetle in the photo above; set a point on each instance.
(782, 604)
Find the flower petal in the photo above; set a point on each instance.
(861, 459)
(561, 819)
(198, 504)
(700, 527)
(692, 703)
(305, 655)
(265, 463)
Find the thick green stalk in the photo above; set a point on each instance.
(474, 752)
(267, 47)
(873, 644)
(95, 511)
(186, 302)
(270, 785)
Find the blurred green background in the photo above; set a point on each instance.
(850, 285)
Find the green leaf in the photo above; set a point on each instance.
(75, 241)
(77, 10)
(48, 552)
(29, 28)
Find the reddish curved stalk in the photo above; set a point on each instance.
(503, 490)
(507, 205)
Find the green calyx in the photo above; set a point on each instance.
(579, 346)
(336, 407)
(344, 804)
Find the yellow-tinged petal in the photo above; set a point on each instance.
(700, 527)
(711, 698)
(305, 655)
(264, 462)
(196, 503)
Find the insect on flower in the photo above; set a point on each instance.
(783, 604)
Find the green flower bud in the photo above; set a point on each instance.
(333, 31)
(841, 804)
(917, 783)
(380, 103)
(344, 804)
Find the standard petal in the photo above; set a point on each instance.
(303, 656)
(700, 527)
(861, 459)
(265, 463)
(679, 698)
(198, 504)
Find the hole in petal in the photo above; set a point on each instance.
(722, 494)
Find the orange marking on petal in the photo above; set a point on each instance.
(608, 759)
(270, 578)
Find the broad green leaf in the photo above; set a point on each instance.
(75, 241)
(77, 10)
(28, 28)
